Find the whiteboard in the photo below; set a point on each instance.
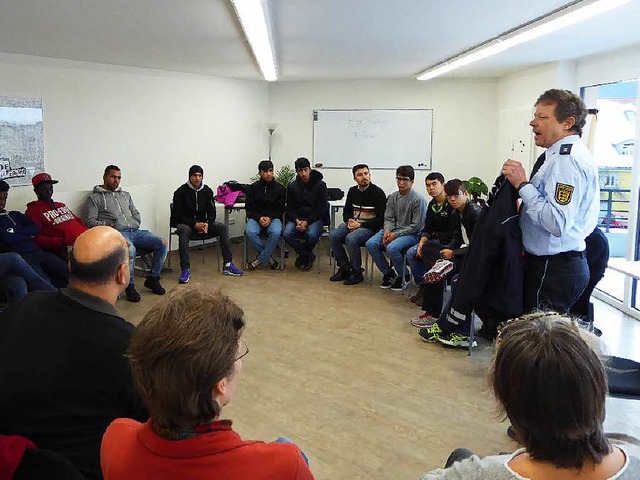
(383, 139)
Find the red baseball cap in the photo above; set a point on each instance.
(41, 178)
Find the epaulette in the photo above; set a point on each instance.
(565, 148)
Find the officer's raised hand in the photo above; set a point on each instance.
(514, 171)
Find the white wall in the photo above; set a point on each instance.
(623, 64)
(152, 124)
(464, 122)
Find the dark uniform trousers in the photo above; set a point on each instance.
(554, 282)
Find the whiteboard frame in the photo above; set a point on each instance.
(428, 167)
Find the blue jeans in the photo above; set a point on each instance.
(353, 239)
(17, 277)
(303, 242)
(145, 239)
(273, 231)
(417, 267)
(395, 251)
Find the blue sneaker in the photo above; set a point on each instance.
(185, 276)
(231, 269)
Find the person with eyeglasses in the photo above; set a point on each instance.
(187, 359)
(403, 218)
(465, 217)
(434, 236)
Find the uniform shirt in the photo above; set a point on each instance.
(561, 205)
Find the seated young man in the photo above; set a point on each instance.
(436, 327)
(265, 208)
(59, 227)
(16, 235)
(194, 211)
(436, 233)
(111, 206)
(363, 216)
(306, 209)
(403, 217)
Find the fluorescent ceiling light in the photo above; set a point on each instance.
(564, 17)
(253, 18)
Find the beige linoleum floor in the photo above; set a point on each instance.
(341, 371)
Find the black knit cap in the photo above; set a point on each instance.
(196, 169)
(302, 162)
(4, 186)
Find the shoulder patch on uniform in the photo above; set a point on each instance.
(565, 148)
(564, 193)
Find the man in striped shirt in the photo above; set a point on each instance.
(363, 216)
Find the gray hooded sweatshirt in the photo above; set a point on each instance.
(105, 207)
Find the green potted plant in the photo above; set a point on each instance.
(476, 188)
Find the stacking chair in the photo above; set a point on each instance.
(194, 237)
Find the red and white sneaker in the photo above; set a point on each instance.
(425, 320)
(438, 271)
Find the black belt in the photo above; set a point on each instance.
(564, 255)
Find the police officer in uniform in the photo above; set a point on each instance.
(560, 204)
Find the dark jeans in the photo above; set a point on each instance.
(48, 266)
(554, 282)
(303, 242)
(17, 278)
(597, 258)
(216, 229)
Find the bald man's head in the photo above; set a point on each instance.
(97, 255)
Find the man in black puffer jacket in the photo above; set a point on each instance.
(307, 208)
(265, 207)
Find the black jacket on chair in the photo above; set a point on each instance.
(491, 280)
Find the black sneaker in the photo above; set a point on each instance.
(299, 261)
(132, 294)
(340, 275)
(354, 279)
(273, 264)
(397, 284)
(388, 279)
(153, 284)
(308, 265)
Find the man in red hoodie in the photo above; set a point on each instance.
(59, 227)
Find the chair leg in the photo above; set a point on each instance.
(169, 251)
(472, 332)
(404, 283)
(282, 253)
(245, 253)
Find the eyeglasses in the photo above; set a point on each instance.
(459, 194)
(403, 179)
(243, 348)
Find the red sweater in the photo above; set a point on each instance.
(133, 450)
(59, 227)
